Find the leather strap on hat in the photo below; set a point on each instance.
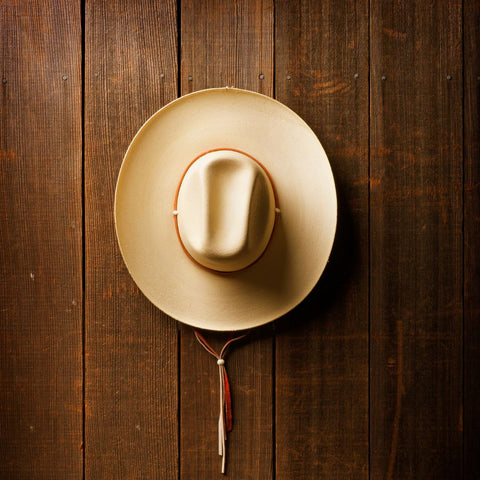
(225, 420)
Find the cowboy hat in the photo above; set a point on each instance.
(225, 209)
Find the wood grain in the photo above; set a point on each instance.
(374, 376)
(322, 346)
(130, 347)
(41, 241)
(227, 43)
(471, 422)
(416, 240)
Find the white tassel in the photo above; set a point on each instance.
(222, 421)
(222, 434)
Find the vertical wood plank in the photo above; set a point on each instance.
(322, 346)
(227, 43)
(131, 348)
(416, 240)
(471, 424)
(41, 240)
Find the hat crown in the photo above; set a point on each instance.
(226, 210)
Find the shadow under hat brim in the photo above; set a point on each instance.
(302, 240)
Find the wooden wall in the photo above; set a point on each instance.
(374, 376)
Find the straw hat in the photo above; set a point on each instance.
(225, 209)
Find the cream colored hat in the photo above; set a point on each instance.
(225, 209)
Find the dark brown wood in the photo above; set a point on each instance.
(322, 346)
(471, 422)
(326, 392)
(416, 240)
(40, 241)
(130, 347)
(227, 43)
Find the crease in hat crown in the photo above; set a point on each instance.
(225, 210)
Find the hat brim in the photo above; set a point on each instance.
(302, 240)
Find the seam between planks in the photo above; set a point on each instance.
(82, 22)
(369, 312)
(463, 236)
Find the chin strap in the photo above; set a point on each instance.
(225, 418)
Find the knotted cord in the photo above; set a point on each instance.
(225, 420)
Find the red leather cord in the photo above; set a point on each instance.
(226, 415)
(221, 356)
